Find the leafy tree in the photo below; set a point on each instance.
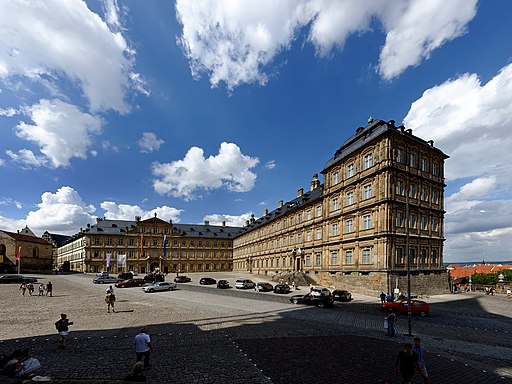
(484, 278)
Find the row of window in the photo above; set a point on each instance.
(418, 193)
(349, 257)
(175, 254)
(156, 242)
(414, 162)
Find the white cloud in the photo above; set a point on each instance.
(27, 159)
(62, 131)
(415, 28)
(230, 220)
(235, 43)
(61, 212)
(229, 169)
(10, 201)
(116, 211)
(52, 40)
(270, 164)
(149, 142)
(471, 122)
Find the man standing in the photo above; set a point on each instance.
(49, 289)
(143, 346)
(382, 298)
(406, 363)
(420, 351)
(391, 318)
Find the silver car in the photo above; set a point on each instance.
(105, 280)
(160, 286)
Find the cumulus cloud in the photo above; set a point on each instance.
(27, 159)
(230, 220)
(470, 121)
(149, 142)
(64, 40)
(236, 44)
(61, 212)
(61, 130)
(116, 211)
(230, 169)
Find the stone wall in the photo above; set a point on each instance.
(373, 283)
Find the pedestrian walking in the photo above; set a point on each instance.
(382, 297)
(62, 326)
(110, 299)
(392, 319)
(49, 289)
(109, 290)
(41, 290)
(406, 363)
(30, 288)
(23, 288)
(420, 351)
(143, 347)
(509, 293)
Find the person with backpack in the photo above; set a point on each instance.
(110, 299)
(62, 326)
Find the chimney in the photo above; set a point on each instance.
(280, 204)
(206, 222)
(409, 131)
(431, 143)
(137, 218)
(246, 223)
(300, 192)
(315, 183)
(265, 212)
(223, 223)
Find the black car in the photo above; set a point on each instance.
(223, 284)
(319, 301)
(182, 279)
(263, 287)
(154, 278)
(207, 281)
(341, 295)
(282, 288)
(125, 275)
(16, 279)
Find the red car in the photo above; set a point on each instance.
(130, 283)
(418, 307)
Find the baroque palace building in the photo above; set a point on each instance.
(150, 245)
(383, 192)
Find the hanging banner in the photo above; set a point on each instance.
(109, 256)
(121, 261)
(165, 245)
(18, 256)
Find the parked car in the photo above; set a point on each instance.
(125, 275)
(341, 295)
(16, 279)
(418, 307)
(320, 291)
(102, 273)
(244, 284)
(207, 281)
(160, 286)
(308, 299)
(182, 279)
(105, 280)
(263, 287)
(223, 284)
(154, 277)
(130, 283)
(282, 288)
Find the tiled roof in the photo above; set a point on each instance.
(26, 238)
(288, 207)
(459, 271)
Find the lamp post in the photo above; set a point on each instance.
(409, 308)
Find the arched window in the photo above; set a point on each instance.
(35, 252)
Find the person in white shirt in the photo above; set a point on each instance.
(143, 346)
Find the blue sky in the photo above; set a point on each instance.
(213, 110)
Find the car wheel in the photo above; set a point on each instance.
(320, 304)
(295, 301)
(151, 290)
(423, 313)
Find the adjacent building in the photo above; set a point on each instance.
(25, 252)
(383, 193)
(144, 246)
